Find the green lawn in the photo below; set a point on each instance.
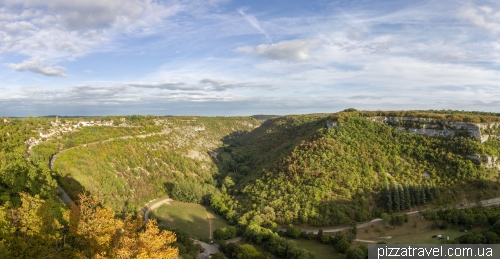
(189, 217)
(323, 251)
(407, 233)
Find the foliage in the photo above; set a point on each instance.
(37, 229)
(275, 244)
(306, 173)
(360, 252)
(225, 233)
(128, 172)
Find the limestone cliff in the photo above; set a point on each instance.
(438, 128)
(487, 161)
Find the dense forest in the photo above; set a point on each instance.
(258, 173)
(294, 169)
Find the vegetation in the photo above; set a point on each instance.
(127, 173)
(225, 233)
(38, 229)
(295, 170)
(275, 244)
(292, 170)
(191, 218)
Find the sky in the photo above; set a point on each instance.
(225, 58)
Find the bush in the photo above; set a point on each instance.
(225, 233)
(292, 231)
(342, 245)
(325, 239)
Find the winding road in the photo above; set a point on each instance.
(62, 194)
(489, 202)
(213, 248)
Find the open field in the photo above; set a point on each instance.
(323, 251)
(189, 217)
(407, 233)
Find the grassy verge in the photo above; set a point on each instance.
(323, 251)
(408, 233)
(189, 217)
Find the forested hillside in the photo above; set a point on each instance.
(172, 158)
(299, 171)
(34, 223)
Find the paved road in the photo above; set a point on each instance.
(64, 196)
(153, 205)
(209, 249)
(213, 248)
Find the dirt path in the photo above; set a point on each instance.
(209, 224)
(366, 241)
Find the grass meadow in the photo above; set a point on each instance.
(190, 217)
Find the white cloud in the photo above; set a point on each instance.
(54, 30)
(37, 66)
(483, 17)
(292, 50)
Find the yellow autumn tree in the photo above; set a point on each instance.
(97, 234)
(31, 230)
(131, 242)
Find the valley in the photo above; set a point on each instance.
(317, 173)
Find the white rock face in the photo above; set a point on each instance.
(437, 128)
(330, 124)
(487, 161)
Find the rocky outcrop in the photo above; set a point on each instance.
(330, 124)
(439, 128)
(487, 161)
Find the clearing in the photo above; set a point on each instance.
(197, 220)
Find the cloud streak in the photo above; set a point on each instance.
(253, 21)
(206, 84)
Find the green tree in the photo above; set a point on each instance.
(342, 245)
(356, 253)
(246, 251)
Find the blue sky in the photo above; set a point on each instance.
(221, 57)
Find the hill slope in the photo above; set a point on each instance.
(129, 171)
(301, 171)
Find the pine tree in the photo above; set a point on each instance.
(422, 195)
(402, 197)
(435, 191)
(407, 196)
(413, 201)
(395, 198)
(416, 195)
(388, 197)
(428, 193)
